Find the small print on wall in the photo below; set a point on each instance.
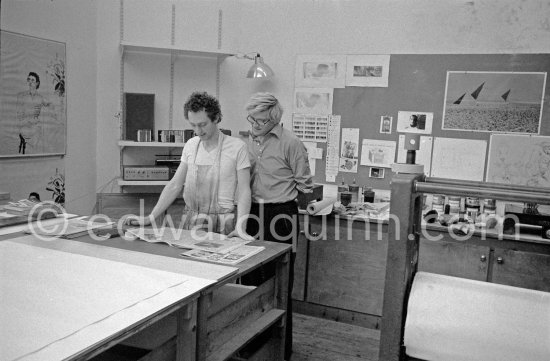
(414, 122)
(367, 70)
(385, 124)
(32, 97)
(320, 71)
(508, 102)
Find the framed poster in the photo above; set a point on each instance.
(32, 97)
(506, 102)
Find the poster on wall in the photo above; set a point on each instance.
(519, 160)
(320, 71)
(33, 96)
(349, 154)
(507, 102)
(313, 101)
(378, 153)
(367, 70)
(414, 122)
(456, 158)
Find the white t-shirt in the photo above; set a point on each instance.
(234, 157)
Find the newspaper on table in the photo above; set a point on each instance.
(232, 257)
(190, 239)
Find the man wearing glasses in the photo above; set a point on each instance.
(279, 170)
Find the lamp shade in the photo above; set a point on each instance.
(259, 69)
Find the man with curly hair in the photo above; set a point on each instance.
(214, 175)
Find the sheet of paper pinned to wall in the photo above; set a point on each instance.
(462, 159)
(378, 153)
(349, 154)
(423, 155)
(519, 159)
(310, 127)
(313, 153)
(333, 146)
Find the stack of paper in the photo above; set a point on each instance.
(190, 239)
(232, 257)
(66, 228)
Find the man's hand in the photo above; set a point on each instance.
(241, 234)
(133, 220)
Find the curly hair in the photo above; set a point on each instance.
(32, 73)
(199, 101)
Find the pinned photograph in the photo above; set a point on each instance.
(313, 101)
(320, 71)
(414, 122)
(376, 172)
(508, 102)
(367, 70)
(385, 124)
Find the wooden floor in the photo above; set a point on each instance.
(317, 339)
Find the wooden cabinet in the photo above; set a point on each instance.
(454, 259)
(521, 269)
(521, 265)
(346, 263)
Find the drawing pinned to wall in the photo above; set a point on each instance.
(349, 153)
(385, 124)
(32, 96)
(320, 71)
(519, 160)
(313, 101)
(462, 159)
(494, 101)
(414, 122)
(378, 153)
(56, 185)
(367, 70)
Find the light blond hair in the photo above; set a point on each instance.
(263, 101)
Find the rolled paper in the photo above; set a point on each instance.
(321, 207)
(450, 318)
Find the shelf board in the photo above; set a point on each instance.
(122, 182)
(131, 143)
(253, 329)
(149, 48)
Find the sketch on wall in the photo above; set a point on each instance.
(320, 71)
(378, 153)
(367, 70)
(32, 96)
(519, 160)
(313, 101)
(508, 102)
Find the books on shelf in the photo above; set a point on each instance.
(232, 257)
(189, 239)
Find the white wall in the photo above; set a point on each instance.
(74, 23)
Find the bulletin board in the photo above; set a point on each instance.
(417, 82)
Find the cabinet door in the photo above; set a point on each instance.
(454, 259)
(522, 269)
(347, 267)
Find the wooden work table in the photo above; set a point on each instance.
(222, 318)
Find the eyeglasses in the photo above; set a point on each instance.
(260, 122)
